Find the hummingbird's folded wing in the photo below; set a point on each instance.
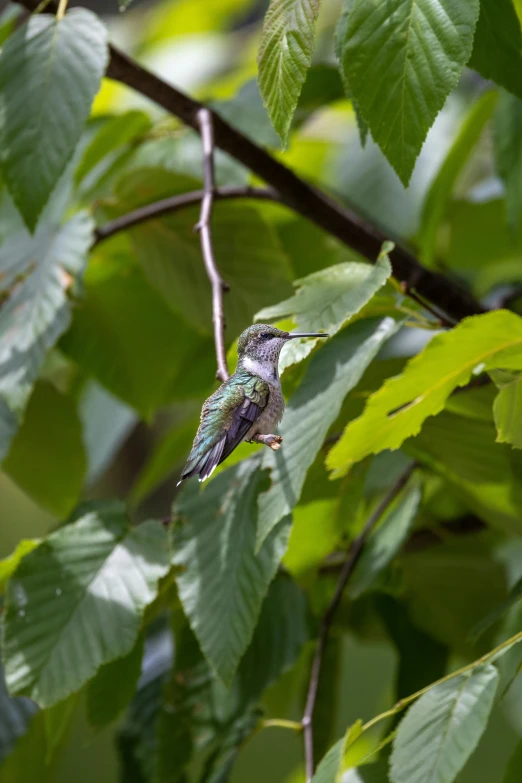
(227, 417)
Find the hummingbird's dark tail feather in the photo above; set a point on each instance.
(205, 465)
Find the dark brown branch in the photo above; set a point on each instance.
(169, 205)
(347, 570)
(205, 231)
(442, 291)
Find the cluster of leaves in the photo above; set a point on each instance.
(195, 636)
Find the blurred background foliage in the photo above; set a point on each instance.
(114, 411)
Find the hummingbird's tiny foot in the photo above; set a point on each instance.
(272, 441)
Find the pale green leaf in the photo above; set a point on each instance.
(223, 581)
(507, 410)
(50, 71)
(77, 601)
(439, 733)
(328, 770)
(47, 458)
(326, 300)
(438, 198)
(35, 275)
(285, 55)
(332, 373)
(386, 541)
(113, 687)
(398, 409)
(508, 153)
(402, 58)
(497, 47)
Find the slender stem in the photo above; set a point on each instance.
(62, 7)
(463, 670)
(169, 205)
(347, 570)
(281, 723)
(41, 7)
(204, 227)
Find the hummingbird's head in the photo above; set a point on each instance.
(263, 342)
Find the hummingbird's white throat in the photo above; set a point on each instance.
(268, 370)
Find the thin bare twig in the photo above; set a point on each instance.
(216, 281)
(172, 204)
(347, 570)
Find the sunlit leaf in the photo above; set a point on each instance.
(223, 581)
(442, 729)
(50, 71)
(76, 602)
(399, 408)
(285, 54)
(402, 59)
(507, 410)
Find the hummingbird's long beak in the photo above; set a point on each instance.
(293, 335)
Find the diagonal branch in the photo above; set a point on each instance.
(167, 206)
(442, 291)
(354, 554)
(216, 281)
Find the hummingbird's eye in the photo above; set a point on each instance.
(265, 335)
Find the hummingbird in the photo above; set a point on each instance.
(247, 406)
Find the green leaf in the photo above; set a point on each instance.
(278, 639)
(442, 729)
(118, 132)
(113, 687)
(438, 198)
(9, 564)
(328, 770)
(246, 112)
(340, 36)
(47, 458)
(35, 274)
(402, 59)
(508, 153)
(58, 720)
(50, 71)
(326, 300)
(507, 410)
(497, 48)
(332, 373)
(223, 581)
(170, 252)
(386, 541)
(123, 332)
(77, 601)
(514, 768)
(285, 55)
(399, 408)
(28, 759)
